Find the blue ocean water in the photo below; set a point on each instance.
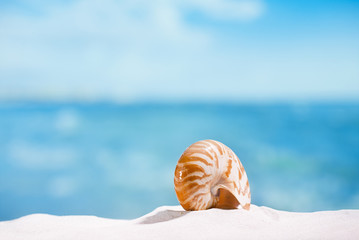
(118, 161)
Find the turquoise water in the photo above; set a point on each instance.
(118, 161)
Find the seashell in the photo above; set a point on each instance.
(210, 175)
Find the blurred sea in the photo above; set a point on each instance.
(118, 161)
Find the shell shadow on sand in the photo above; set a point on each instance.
(162, 215)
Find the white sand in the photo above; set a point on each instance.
(175, 223)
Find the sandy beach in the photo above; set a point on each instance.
(172, 222)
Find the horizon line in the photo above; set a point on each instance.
(183, 102)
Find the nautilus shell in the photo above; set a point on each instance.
(210, 175)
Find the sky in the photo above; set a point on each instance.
(188, 50)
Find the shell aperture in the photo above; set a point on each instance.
(210, 175)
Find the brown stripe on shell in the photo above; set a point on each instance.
(193, 159)
(229, 168)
